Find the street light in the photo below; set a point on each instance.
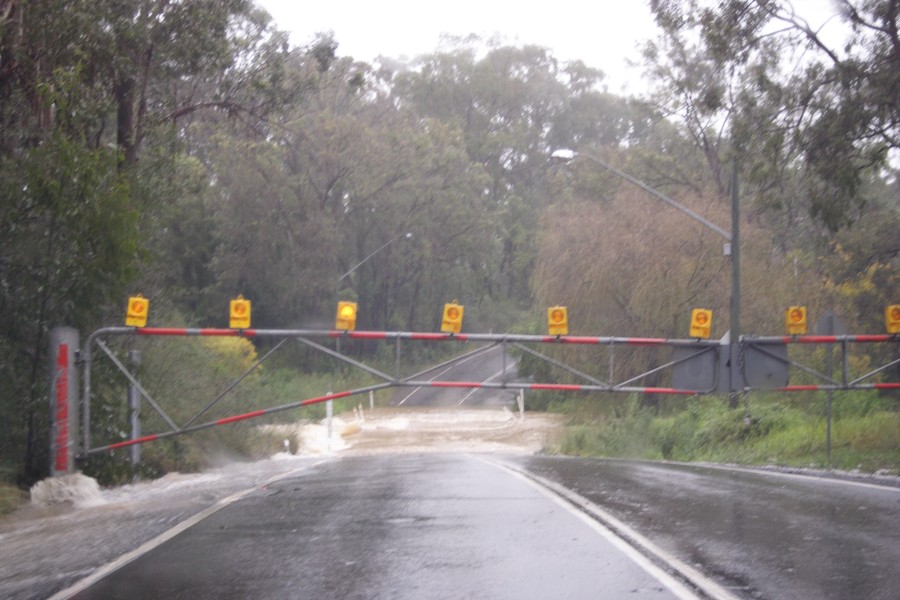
(568, 155)
(406, 235)
(732, 242)
(337, 282)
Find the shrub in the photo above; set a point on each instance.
(11, 497)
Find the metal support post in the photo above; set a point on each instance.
(829, 370)
(735, 377)
(134, 407)
(329, 415)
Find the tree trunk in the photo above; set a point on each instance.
(125, 121)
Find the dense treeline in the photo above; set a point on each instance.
(186, 151)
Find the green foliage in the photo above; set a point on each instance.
(11, 497)
(84, 89)
(185, 151)
(70, 241)
(864, 434)
(833, 118)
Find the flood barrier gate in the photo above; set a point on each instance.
(694, 367)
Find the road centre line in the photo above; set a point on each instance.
(473, 390)
(449, 368)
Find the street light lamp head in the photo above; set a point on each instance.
(563, 154)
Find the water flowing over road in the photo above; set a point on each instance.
(451, 503)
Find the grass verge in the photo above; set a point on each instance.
(11, 497)
(865, 433)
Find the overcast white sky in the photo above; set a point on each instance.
(603, 33)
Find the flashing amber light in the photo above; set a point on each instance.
(795, 320)
(239, 313)
(453, 317)
(892, 318)
(701, 323)
(138, 309)
(558, 320)
(346, 316)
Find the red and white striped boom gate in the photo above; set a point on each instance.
(828, 382)
(685, 354)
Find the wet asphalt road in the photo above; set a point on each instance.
(758, 534)
(434, 526)
(395, 526)
(491, 365)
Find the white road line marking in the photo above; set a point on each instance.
(824, 478)
(146, 547)
(449, 368)
(473, 390)
(629, 541)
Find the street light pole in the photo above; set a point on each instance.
(735, 383)
(568, 155)
(406, 235)
(732, 246)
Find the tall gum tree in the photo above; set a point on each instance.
(752, 81)
(83, 87)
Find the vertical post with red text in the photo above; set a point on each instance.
(63, 400)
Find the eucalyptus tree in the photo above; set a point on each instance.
(490, 102)
(343, 175)
(752, 81)
(91, 95)
(813, 120)
(65, 217)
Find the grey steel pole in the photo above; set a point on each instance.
(830, 401)
(86, 396)
(407, 235)
(829, 370)
(565, 154)
(736, 377)
(134, 406)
